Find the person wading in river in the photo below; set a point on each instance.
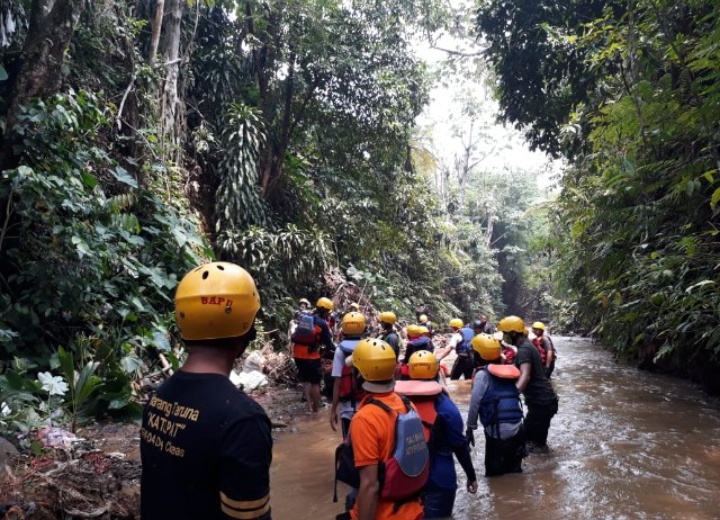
(418, 339)
(389, 335)
(347, 393)
(460, 342)
(495, 400)
(545, 346)
(540, 398)
(443, 432)
(374, 432)
(205, 446)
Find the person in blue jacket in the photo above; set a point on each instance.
(444, 433)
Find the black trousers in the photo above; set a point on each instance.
(537, 421)
(463, 366)
(504, 455)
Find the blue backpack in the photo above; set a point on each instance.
(404, 473)
(305, 332)
(465, 345)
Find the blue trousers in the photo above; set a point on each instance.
(438, 503)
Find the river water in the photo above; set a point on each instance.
(625, 445)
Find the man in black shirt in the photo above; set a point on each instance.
(387, 322)
(483, 324)
(206, 447)
(540, 397)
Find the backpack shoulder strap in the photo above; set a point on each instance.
(405, 400)
(407, 403)
(382, 405)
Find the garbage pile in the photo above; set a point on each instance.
(70, 479)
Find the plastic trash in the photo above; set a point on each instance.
(254, 362)
(249, 380)
(51, 437)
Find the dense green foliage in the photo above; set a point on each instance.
(638, 212)
(137, 144)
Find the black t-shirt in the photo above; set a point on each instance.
(538, 390)
(206, 450)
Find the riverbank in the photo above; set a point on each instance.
(98, 476)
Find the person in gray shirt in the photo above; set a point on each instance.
(495, 401)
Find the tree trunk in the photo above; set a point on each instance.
(156, 30)
(52, 24)
(490, 216)
(170, 49)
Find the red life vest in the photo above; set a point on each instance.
(349, 388)
(425, 406)
(540, 349)
(423, 395)
(509, 355)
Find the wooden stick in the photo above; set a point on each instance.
(167, 367)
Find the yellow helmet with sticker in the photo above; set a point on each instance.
(374, 359)
(423, 365)
(216, 300)
(353, 324)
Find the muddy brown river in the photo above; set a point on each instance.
(625, 445)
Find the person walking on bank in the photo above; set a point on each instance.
(304, 308)
(311, 334)
(495, 400)
(443, 432)
(205, 446)
(540, 398)
(373, 434)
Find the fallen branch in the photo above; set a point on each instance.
(90, 514)
(118, 118)
(167, 367)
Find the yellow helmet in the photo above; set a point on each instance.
(374, 359)
(413, 331)
(487, 346)
(325, 303)
(423, 365)
(388, 317)
(355, 306)
(423, 318)
(511, 324)
(353, 324)
(456, 323)
(538, 325)
(423, 330)
(216, 300)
